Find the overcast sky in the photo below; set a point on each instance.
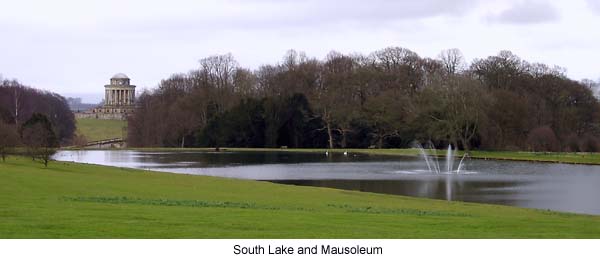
(74, 47)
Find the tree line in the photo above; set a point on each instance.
(33, 120)
(386, 99)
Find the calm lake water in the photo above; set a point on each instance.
(560, 187)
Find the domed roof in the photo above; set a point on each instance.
(120, 76)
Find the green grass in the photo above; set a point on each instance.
(99, 129)
(554, 157)
(68, 200)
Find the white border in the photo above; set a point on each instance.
(220, 252)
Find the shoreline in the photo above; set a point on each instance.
(517, 156)
(275, 180)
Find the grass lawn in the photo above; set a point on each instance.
(555, 157)
(68, 200)
(99, 129)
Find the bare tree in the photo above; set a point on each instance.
(9, 138)
(386, 114)
(389, 98)
(455, 112)
(15, 97)
(453, 61)
(335, 98)
(80, 140)
(542, 139)
(400, 68)
(219, 70)
(19, 102)
(244, 82)
(39, 138)
(183, 119)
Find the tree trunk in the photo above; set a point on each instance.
(183, 141)
(271, 135)
(465, 144)
(380, 142)
(330, 134)
(343, 138)
(16, 107)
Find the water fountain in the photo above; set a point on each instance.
(430, 156)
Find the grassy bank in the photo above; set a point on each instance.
(68, 200)
(553, 157)
(98, 129)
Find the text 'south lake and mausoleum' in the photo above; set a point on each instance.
(306, 250)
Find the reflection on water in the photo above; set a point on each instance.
(561, 187)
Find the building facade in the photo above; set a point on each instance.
(119, 100)
(119, 93)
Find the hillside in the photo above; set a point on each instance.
(98, 129)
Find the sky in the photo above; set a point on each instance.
(74, 47)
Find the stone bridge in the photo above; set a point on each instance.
(106, 143)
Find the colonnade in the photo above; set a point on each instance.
(120, 97)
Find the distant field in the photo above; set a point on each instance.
(69, 200)
(98, 129)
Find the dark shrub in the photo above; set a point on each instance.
(542, 139)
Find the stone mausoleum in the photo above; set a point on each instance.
(119, 100)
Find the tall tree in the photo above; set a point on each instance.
(9, 139)
(453, 61)
(39, 138)
(20, 102)
(388, 98)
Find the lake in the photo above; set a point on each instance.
(559, 187)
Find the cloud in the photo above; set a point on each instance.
(526, 12)
(285, 17)
(246, 13)
(329, 10)
(149, 39)
(386, 9)
(594, 5)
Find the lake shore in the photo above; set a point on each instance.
(71, 200)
